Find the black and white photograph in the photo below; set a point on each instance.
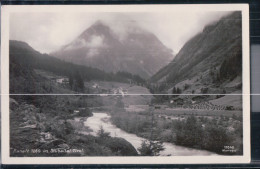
(164, 81)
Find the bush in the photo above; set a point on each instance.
(204, 90)
(215, 138)
(85, 113)
(230, 108)
(189, 133)
(212, 136)
(186, 86)
(151, 148)
(102, 134)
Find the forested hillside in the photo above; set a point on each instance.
(48, 122)
(212, 57)
(24, 59)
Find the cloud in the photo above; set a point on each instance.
(48, 32)
(92, 52)
(122, 24)
(95, 42)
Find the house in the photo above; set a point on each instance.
(53, 79)
(95, 86)
(179, 101)
(125, 91)
(65, 81)
(162, 106)
(62, 80)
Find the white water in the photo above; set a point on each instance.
(103, 119)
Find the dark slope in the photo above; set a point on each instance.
(21, 53)
(46, 122)
(24, 59)
(217, 48)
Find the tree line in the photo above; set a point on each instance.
(24, 55)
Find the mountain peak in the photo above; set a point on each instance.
(21, 44)
(98, 28)
(99, 23)
(117, 46)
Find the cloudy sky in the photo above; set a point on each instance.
(47, 32)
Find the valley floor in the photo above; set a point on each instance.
(56, 125)
(66, 128)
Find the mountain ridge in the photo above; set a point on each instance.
(139, 52)
(211, 57)
(191, 50)
(24, 59)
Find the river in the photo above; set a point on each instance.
(103, 119)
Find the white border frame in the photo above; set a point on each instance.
(6, 159)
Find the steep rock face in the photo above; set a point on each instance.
(218, 49)
(137, 52)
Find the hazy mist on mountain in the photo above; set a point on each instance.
(133, 50)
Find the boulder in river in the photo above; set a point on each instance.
(121, 146)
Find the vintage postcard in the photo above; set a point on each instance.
(125, 84)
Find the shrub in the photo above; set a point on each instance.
(151, 148)
(102, 134)
(186, 86)
(204, 90)
(189, 133)
(215, 138)
(229, 108)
